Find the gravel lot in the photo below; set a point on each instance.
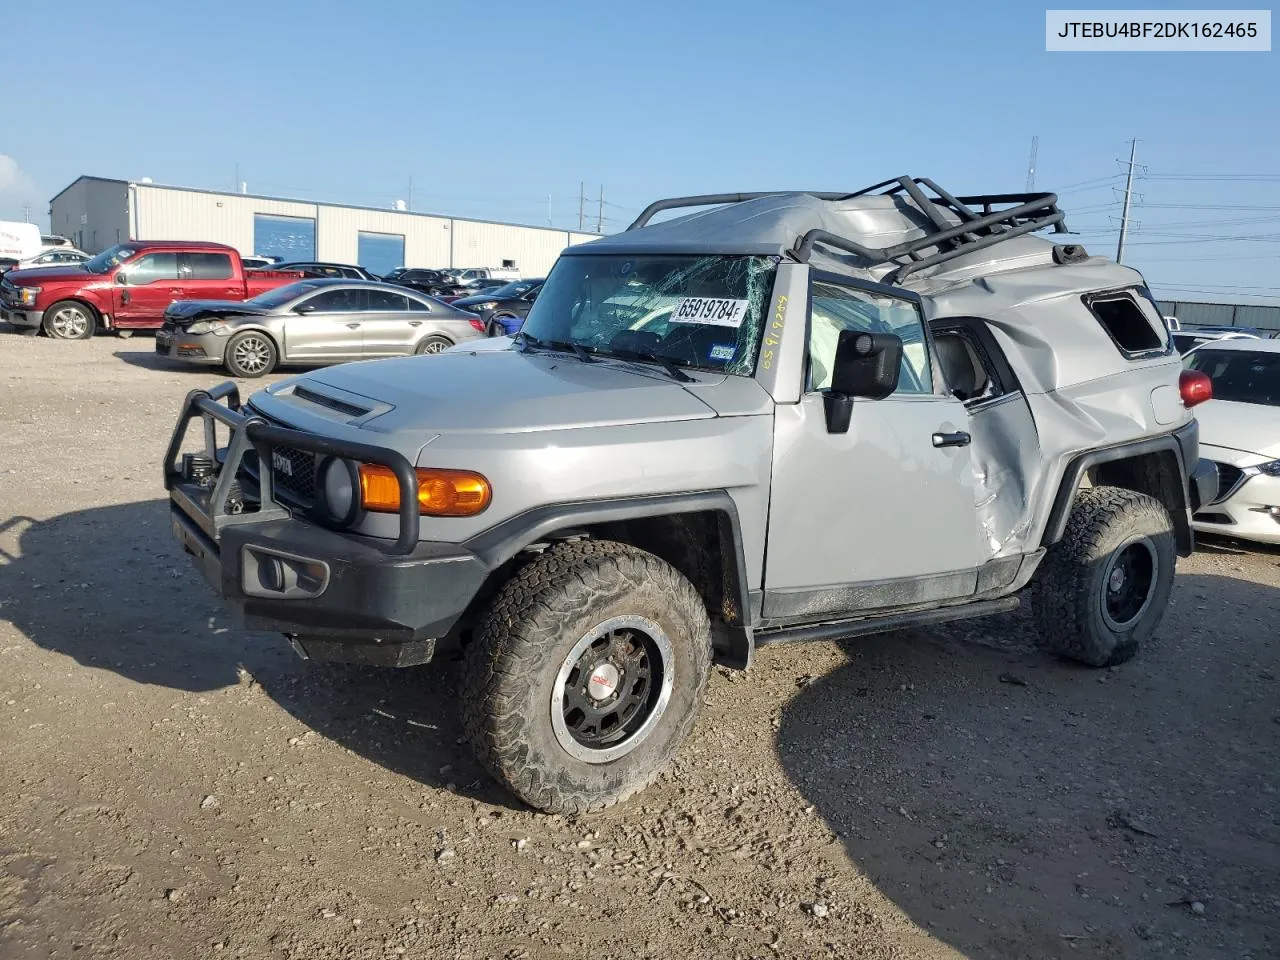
(175, 787)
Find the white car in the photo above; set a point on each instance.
(1240, 431)
(53, 257)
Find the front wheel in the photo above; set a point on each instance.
(1103, 589)
(250, 354)
(585, 675)
(70, 320)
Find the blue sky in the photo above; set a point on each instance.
(491, 108)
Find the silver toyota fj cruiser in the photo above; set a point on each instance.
(784, 416)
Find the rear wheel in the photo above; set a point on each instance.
(585, 675)
(1103, 589)
(250, 354)
(433, 345)
(70, 320)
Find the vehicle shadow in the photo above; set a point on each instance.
(154, 361)
(1014, 805)
(109, 588)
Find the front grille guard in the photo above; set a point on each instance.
(210, 509)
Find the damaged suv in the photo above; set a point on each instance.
(779, 417)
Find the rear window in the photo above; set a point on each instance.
(1126, 324)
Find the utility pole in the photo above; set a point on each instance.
(1128, 196)
(600, 214)
(582, 201)
(1031, 165)
(26, 212)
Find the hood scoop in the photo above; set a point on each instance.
(304, 403)
(345, 407)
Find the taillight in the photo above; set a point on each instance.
(1195, 387)
(477, 323)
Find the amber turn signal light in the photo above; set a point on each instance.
(441, 493)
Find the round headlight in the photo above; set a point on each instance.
(338, 485)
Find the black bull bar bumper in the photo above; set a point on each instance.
(337, 595)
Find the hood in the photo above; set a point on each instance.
(186, 312)
(1246, 427)
(474, 298)
(492, 391)
(33, 275)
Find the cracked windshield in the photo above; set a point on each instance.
(701, 312)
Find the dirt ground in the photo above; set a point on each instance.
(171, 786)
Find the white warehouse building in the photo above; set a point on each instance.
(96, 213)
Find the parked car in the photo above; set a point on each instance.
(466, 274)
(315, 321)
(312, 268)
(257, 263)
(431, 282)
(471, 288)
(591, 514)
(127, 287)
(52, 257)
(1240, 431)
(1186, 340)
(55, 240)
(503, 310)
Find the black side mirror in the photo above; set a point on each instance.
(866, 365)
(122, 279)
(305, 308)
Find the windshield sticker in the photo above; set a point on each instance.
(723, 351)
(712, 311)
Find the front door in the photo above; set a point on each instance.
(327, 326)
(390, 329)
(884, 515)
(144, 287)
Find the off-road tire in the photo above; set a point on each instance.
(271, 355)
(1069, 591)
(63, 330)
(510, 670)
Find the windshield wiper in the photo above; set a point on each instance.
(667, 364)
(527, 340)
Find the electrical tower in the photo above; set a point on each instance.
(1128, 196)
(1031, 164)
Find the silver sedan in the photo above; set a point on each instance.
(312, 322)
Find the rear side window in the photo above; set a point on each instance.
(1126, 324)
(382, 301)
(208, 266)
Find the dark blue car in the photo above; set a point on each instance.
(503, 310)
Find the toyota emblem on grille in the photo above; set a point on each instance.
(281, 464)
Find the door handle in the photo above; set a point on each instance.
(175, 290)
(957, 439)
(415, 323)
(353, 325)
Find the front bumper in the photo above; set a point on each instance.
(337, 596)
(21, 316)
(1248, 508)
(204, 348)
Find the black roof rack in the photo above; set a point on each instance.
(1019, 213)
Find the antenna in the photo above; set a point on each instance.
(1031, 164)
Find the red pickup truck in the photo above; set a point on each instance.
(128, 287)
